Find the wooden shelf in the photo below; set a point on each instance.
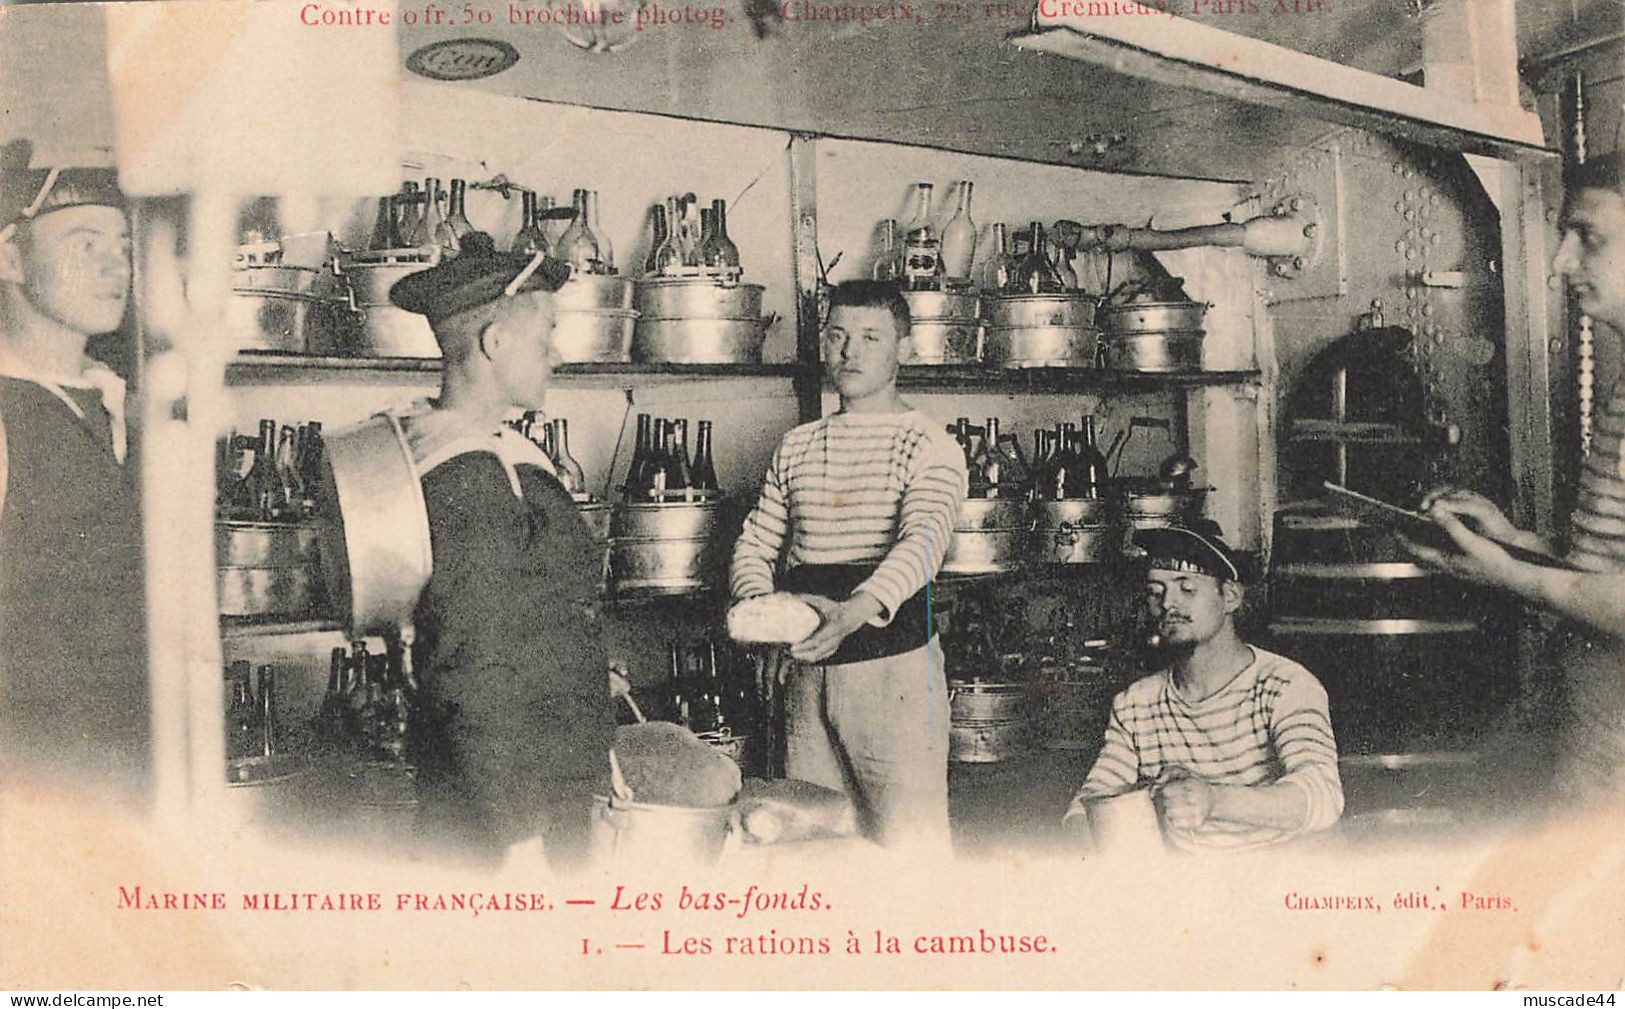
(247, 627)
(250, 368)
(1063, 379)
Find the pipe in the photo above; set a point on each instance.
(1266, 236)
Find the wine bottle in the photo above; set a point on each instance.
(888, 252)
(692, 232)
(259, 485)
(676, 694)
(1063, 268)
(723, 254)
(241, 719)
(289, 494)
(531, 239)
(1093, 463)
(310, 466)
(1034, 273)
(595, 224)
(992, 460)
(1018, 472)
(659, 236)
(668, 256)
(705, 467)
(457, 227)
(409, 214)
(330, 716)
(708, 231)
(959, 241)
(267, 711)
(922, 250)
(431, 224)
(637, 471)
(678, 452)
(383, 228)
(570, 474)
(577, 245)
(996, 271)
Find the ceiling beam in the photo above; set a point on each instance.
(1181, 52)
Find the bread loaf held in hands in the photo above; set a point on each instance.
(777, 618)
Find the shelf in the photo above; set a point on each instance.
(248, 627)
(252, 367)
(1062, 379)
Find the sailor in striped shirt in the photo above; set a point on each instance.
(860, 505)
(1589, 588)
(1235, 740)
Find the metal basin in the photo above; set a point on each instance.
(593, 292)
(1178, 350)
(667, 520)
(935, 341)
(977, 701)
(942, 306)
(989, 742)
(984, 551)
(1153, 316)
(387, 331)
(289, 323)
(665, 548)
(267, 591)
(1149, 511)
(265, 544)
(593, 335)
(1040, 347)
(978, 513)
(699, 340)
(279, 279)
(697, 298)
(640, 834)
(1022, 311)
(1075, 511)
(370, 282)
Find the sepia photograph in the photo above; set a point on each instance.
(812, 495)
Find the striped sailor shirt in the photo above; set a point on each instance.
(856, 488)
(1597, 538)
(1269, 724)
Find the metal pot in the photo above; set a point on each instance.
(1168, 351)
(370, 281)
(1153, 316)
(1022, 311)
(988, 742)
(665, 548)
(665, 520)
(594, 335)
(595, 515)
(1076, 511)
(642, 834)
(942, 306)
(290, 323)
(387, 331)
(699, 340)
(978, 513)
(984, 551)
(934, 341)
(265, 544)
(267, 591)
(1150, 511)
(1040, 347)
(374, 525)
(593, 292)
(976, 701)
(1079, 531)
(697, 298)
(277, 278)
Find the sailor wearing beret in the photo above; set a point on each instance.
(1236, 742)
(516, 729)
(74, 700)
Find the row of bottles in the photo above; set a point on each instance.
(919, 257)
(251, 729)
(706, 691)
(688, 240)
(370, 700)
(661, 467)
(423, 218)
(1066, 462)
(271, 477)
(553, 438)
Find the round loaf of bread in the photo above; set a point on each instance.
(778, 618)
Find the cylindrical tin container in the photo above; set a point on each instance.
(989, 742)
(267, 569)
(1040, 346)
(697, 298)
(941, 341)
(387, 331)
(265, 544)
(988, 722)
(276, 321)
(288, 592)
(1155, 511)
(1153, 317)
(276, 278)
(978, 701)
(595, 515)
(601, 336)
(594, 292)
(1078, 531)
(1028, 311)
(990, 536)
(699, 341)
(631, 833)
(943, 306)
(1174, 350)
(665, 548)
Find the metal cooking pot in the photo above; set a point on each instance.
(934, 341)
(642, 834)
(290, 323)
(1040, 347)
(590, 291)
(595, 515)
(1079, 531)
(978, 513)
(984, 551)
(1076, 511)
(374, 525)
(1140, 508)
(942, 306)
(594, 335)
(977, 701)
(370, 281)
(387, 331)
(989, 742)
(1020, 311)
(1179, 350)
(1153, 316)
(267, 591)
(697, 298)
(265, 544)
(277, 278)
(663, 548)
(699, 340)
(665, 520)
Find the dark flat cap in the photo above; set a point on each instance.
(474, 277)
(27, 193)
(1195, 545)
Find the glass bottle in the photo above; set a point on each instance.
(994, 470)
(545, 207)
(888, 252)
(290, 490)
(1018, 472)
(637, 471)
(668, 257)
(660, 236)
(577, 245)
(330, 716)
(959, 241)
(267, 711)
(1063, 268)
(409, 214)
(310, 464)
(531, 239)
(383, 228)
(705, 467)
(259, 493)
(996, 271)
(722, 254)
(595, 224)
(692, 231)
(570, 474)
(427, 233)
(242, 720)
(708, 233)
(1034, 273)
(922, 251)
(457, 227)
(678, 452)
(1062, 467)
(1093, 463)
(676, 694)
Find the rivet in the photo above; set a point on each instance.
(1376, 302)
(1427, 309)
(1310, 230)
(1297, 262)
(1410, 292)
(1399, 246)
(1551, 217)
(1399, 208)
(1398, 168)
(1410, 215)
(1407, 173)
(1410, 234)
(1297, 203)
(1556, 346)
(1425, 211)
(1410, 253)
(1433, 239)
(1553, 281)
(1434, 198)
